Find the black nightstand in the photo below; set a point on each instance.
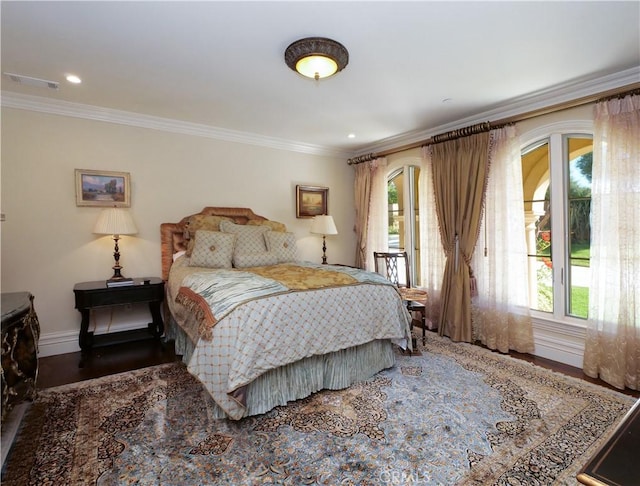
(91, 295)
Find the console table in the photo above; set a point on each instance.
(20, 334)
(91, 295)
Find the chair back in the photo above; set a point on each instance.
(393, 266)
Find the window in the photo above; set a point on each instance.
(556, 175)
(404, 234)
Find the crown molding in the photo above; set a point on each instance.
(120, 117)
(539, 100)
(555, 95)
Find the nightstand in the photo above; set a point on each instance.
(92, 295)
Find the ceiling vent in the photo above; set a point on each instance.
(29, 81)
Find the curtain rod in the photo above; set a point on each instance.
(620, 92)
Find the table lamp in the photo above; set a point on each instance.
(115, 221)
(324, 225)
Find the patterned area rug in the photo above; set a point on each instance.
(455, 414)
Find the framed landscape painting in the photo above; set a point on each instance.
(103, 188)
(311, 201)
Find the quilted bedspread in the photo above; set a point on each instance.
(215, 293)
(275, 319)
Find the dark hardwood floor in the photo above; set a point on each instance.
(106, 360)
(570, 370)
(62, 369)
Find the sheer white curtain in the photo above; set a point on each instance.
(500, 311)
(612, 350)
(378, 225)
(432, 254)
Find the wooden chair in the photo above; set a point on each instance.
(395, 267)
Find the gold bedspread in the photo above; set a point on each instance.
(295, 277)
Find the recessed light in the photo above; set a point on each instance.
(351, 135)
(72, 78)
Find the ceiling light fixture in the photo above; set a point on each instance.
(72, 78)
(316, 57)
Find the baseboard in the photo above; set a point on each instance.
(55, 343)
(559, 342)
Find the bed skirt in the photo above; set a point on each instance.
(333, 371)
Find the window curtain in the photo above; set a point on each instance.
(460, 171)
(432, 254)
(371, 226)
(612, 348)
(500, 312)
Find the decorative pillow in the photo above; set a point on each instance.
(273, 225)
(283, 245)
(212, 249)
(254, 259)
(249, 239)
(201, 222)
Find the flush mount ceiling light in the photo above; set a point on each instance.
(316, 57)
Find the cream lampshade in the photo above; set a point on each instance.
(324, 225)
(115, 221)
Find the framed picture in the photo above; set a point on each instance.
(103, 188)
(311, 201)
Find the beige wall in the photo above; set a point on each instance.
(47, 241)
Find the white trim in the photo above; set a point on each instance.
(561, 127)
(559, 342)
(516, 106)
(120, 117)
(55, 343)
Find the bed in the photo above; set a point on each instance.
(258, 327)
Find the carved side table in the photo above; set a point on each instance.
(20, 334)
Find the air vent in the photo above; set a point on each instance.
(29, 81)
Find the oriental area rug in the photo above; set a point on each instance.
(454, 414)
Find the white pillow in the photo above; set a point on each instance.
(283, 245)
(212, 249)
(250, 249)
(249, 238)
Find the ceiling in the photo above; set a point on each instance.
(414, 67)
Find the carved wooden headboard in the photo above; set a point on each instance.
(172, 237)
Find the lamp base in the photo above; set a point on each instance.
(324, 250)
(117, 276)
(118, 280)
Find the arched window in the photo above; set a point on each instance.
(556, 173)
